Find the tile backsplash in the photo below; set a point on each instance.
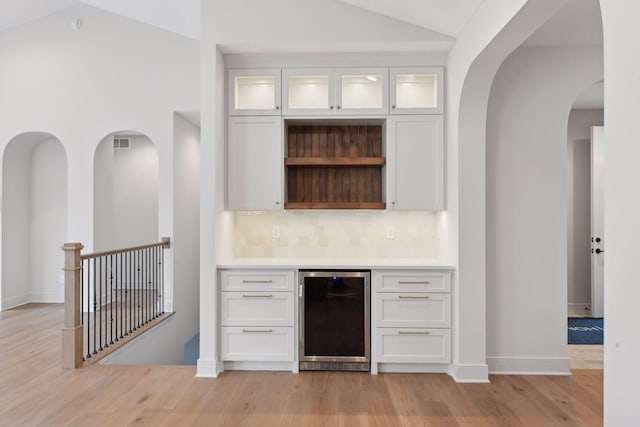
(330, 234)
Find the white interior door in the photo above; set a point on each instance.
(597, 221)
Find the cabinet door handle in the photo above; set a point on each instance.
(257, 296)
(413, 297)
(338, 107)
(257, 331)
(257, 281)
(331, 107)
(277, 107)
(413, 332)
(393, 106)
(425, 282)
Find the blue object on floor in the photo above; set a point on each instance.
(192, 350)
(586, 330)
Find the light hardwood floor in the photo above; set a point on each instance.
(34, 391)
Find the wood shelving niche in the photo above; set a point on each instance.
(334, 167)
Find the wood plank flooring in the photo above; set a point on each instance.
(35, 391)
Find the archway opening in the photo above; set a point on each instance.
(125, 191)
(34, 219)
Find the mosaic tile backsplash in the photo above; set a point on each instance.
(331, 234)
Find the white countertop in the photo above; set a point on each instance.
(330, 263)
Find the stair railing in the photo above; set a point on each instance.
(109, 296)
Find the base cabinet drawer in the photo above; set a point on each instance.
(410, 282)
(416, 310)
(257, 344)
(413, 345)
(256, 308)
(254, 280)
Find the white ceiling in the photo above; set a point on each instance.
(179, 16)
(444, 16)
(591, 99)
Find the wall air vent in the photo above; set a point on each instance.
(120, 142)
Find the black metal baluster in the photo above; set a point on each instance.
(95, 307)
(110, 301)
(121, 290)
(129, 296)
(155, 282)
(88, 294)
(102, 271)
(162, 279)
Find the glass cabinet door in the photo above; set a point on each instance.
(362, 91)
(254, 92)
(308, 91)
(417, 90)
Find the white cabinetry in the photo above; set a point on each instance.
(254, 92)
(415, 163)
(412, 318)
(343, 91)
(257, 316)
(417, 90)
(254, 178)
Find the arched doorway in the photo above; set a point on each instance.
(125, 191)
(34, 219)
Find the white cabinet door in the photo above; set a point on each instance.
(308, 91)
(417, 90)
(266, 344)
(256, 308)
(413, 345)
(254, 163)
(421, 310)
(415, 163)
(362, 91)
(254, 92)
(341, 91)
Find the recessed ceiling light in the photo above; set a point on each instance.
(372, 78)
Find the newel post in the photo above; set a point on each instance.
(72, 331)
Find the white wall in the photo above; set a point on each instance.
(48, 194)
(125, 193)
(165, 343)
(103, 208)
(33, 219)
(579, 208)
(496, 28)
(16, 219)
(135, 193)
(112, 74)
(622, 210)
(527, 119)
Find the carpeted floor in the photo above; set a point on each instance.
(586, 330)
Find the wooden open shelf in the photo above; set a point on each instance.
(334, 166)
(334, 161)
(336, 205)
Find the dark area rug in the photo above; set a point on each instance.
(586, 330)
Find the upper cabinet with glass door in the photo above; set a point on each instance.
(417, 90)
(357, 91)
(254, 92)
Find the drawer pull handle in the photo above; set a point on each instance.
(413, 332)
(413, 297)
(425, 282)
(257, 296)
(258, 331)
(257, 281)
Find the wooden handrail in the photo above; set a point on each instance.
(165, 243)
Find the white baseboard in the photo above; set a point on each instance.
(470, 373)
(16, 301)
(260, 366)
(579, 309)
(529, 365)
(47, 297)
(418, 368)
(208, 368)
